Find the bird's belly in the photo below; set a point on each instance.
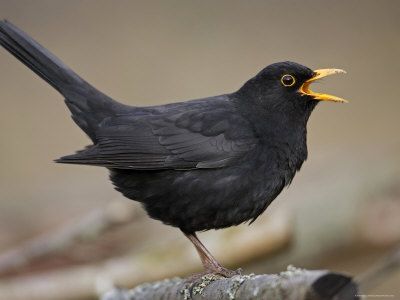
(198, 200)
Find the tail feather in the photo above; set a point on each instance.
(37, 58)
(88, 105)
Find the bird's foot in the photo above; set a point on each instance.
(215, 273)
(224, 272)
(198, 277)
(196, 283)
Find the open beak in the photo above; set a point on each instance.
(318, 74)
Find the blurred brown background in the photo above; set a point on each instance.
(152, 52)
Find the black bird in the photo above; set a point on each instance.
(197, 165)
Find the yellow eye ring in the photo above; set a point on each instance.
(288, 80)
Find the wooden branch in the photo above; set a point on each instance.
(293, 284)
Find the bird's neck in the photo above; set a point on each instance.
(274, 119)
(279, 127)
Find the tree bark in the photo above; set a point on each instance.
(293, 284)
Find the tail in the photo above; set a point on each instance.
(88, 105)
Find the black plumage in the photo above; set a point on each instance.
(196, 165)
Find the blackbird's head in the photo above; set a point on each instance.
(285, 86)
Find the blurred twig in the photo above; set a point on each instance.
(380, 270)
(88, 227)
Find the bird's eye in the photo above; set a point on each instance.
(288, 80)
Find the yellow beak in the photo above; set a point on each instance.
(318, 74)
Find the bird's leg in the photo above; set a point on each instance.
(210, 264)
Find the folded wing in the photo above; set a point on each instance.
(179, 140)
